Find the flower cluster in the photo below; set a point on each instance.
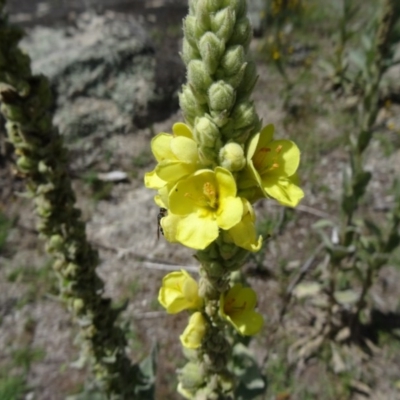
(179, 291)
(203, 199)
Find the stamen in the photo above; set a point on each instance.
(210, 194)
(259, 157)
(279, 149)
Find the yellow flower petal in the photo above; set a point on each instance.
(153, 181)
(172, 171)
(189, 194)
(226, 182)
(184, 149)
(237, 307)
(230, 212)
(244, 233)
(160, 145)
(193, 335)
(181, 129)
(179, 291)
(196, 232)
(283, 190)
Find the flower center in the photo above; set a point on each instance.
(264, 162)
(232, 307)
(210, 195)
(208, 198)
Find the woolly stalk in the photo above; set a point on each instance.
(42, 161)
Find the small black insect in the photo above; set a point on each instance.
(160, 216)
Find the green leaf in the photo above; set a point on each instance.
(148, 368)
(346, 297)
(323, 223)
(252, 382)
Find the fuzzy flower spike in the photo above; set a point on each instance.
(209, 172)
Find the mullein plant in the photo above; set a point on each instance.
(359, 247)
(41, 159)
(209, 172)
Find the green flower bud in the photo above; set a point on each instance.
(71, 270)
(58, 265)
(248, 82)
(231, 157)
(242, 33)
(223, 23)
(55, 243)
(78, 305)
(203, 22)
(221, 96)
(189, 52)
(244, 115)
(191, 376)
(189, 29)
(26, 164)
(199, 80)
(215, 270)
(189, 105)
(207, 290)
(214, 5)
(238, 6)
(206, 132)
(235, 80)
(221, 119)
(232, 60)
(211, 49)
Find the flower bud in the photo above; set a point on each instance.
(189, 52)
(203, 22)
(211, 49)
(56, 242)
(215, 270)
(233, 60)
(191, 376)
(223, 23)
(242, 33)
(214, 5)
(249, 80)
(238, 6)
(189, 30)
(244, 115)
(235, 80)
(206, 132)
(207, 290)
(199, 80)
(189, 105)
(26, 164)
(192, 336)
(78, 305)
(221, 96)
(231, 157)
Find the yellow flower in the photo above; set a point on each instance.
(192, 336)
(200, 205)
(237, 307)
(244, 233)
(179, 291)
(271, 166)
(177, 157)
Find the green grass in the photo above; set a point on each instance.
(12, 388)
(5, 225)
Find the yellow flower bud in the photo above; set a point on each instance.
(231, 157)
(179, 291)
(193, 335)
